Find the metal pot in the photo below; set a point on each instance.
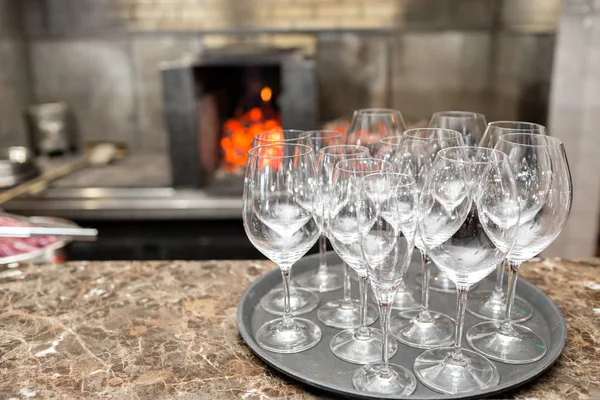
(17, 165)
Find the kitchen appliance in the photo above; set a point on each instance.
(51, 129)
(17, 165)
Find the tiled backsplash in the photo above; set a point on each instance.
(68, 16)
(102, 56)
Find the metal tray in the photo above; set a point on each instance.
(319, 368)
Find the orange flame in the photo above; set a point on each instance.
(239, 132)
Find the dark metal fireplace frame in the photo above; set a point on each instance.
(297, 101)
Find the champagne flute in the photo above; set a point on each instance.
(468, 218)
(472, 126)
(280, 194)
(545, 193)
(360, 345)
(490, 304)
(423, 328)
(387, 222)
(343, 313)
(302, 301)
(370, 125)
(325, 280)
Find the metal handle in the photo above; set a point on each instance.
(81, 234)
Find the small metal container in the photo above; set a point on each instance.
(51, 129)
(17, 165)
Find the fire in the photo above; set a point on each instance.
(239, 132)
(266, 93)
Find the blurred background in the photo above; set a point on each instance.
(178, 87)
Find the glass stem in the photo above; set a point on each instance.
(424, 315)
(506, 327)
(322, 255)
(385, 310)
(499, 288)
(461, 303)
(347, 286)
(363, 332)
(287, 309)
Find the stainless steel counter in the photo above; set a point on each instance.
(134, 188)
(130, 204)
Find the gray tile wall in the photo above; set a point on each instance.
(14, 78)
(112, 83)
(575, 119)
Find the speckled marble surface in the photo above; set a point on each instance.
(163, 330)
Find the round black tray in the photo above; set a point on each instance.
(319, 368)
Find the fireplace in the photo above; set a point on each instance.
(216, 105)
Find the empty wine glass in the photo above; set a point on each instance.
(472, 126)
(361, 345)
(326, 279)
(387, 221)
(282, 136)
(370, 125)
(387, 149)
(423, 328)
(302, 301)
(495, 129)
(343, 313)
(544, 188)
(468, 219)
(280, 193)
(491, 304)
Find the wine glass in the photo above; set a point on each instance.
(468, 219)
(343, 313)
(325, 280)
(282, 136)
(387, 149)
(544, 188)
(369, 125)
(358, 345)
(423, 328)
(387, 222)
(496, 129)
(491, 304)
(472, 126)
(302, 301)
(280, 193)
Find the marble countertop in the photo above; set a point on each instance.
(163, 330)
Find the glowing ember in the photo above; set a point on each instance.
(239, 132)
(266, 93)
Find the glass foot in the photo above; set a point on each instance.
(518, 345)
(321, 282)
(437, 281)
(440, 371)
(348, 346)
(410, 328)
(404, 299)
(486, 306)
(396, 380)
(293, 336)
(343, 315)
(302, 301)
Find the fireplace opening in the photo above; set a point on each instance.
(246, 99)
(215, 106)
